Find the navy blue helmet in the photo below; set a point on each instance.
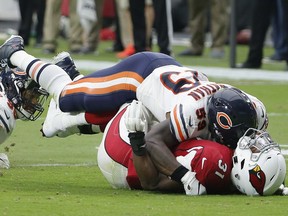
(230, 114)
(25, 94)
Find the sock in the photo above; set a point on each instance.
(69, 120)
(49, 76)
(99, 118)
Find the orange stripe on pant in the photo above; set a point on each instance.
(104, 90)
(124, 74)
(99, 91)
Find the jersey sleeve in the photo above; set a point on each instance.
(212, 163)
(213, 169)
(188, 120)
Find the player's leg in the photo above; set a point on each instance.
(114, 154)
(49, 76)
(109, 88)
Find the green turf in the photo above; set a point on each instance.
(75, 186)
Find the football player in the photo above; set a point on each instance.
(126, 167)
(259, 168)
(20, 98)
(183, 100)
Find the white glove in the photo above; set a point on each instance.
(4, 161)
(136, 117)
(283, 190)
(191, 185)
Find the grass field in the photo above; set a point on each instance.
(60, 176)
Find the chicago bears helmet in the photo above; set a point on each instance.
(7, 117)
(25, 94)
(262, 117)
(259, 168)
(230, 114)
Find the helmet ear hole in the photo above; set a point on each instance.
(242, 164)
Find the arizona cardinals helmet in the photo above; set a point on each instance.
(25, 94)
(259, 168)
(230, 114)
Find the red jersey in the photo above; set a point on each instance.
(211, 161)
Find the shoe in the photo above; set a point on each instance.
(217, 53)
(128, 51)
(250, 65)
(166, 51)
(189, 52)
(65, 61)
(11, 45)
(57, 123)
(277, 58)
(273, 59)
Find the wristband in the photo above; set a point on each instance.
(137, 142)
(179, 173)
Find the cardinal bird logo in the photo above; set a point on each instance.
(257, 179)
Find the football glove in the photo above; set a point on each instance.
(283, 190)
(4, 161)
(137, 117)
(191, 185)
(137, 142)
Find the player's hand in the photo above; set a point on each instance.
(134, 117)
(283, 190)
(4, 161)
(191, 185)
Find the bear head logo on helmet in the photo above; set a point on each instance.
(230, 114)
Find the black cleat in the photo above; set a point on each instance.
(65, 61)
(11, 45)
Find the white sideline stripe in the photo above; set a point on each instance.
(227, 73)
(277, 114)
(58, 165)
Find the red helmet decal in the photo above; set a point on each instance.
(257, 179)
(223, 120)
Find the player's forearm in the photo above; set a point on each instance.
(157, 142)
(146, 171)
(162, 157)
(150, 178)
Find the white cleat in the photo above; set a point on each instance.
(57, 123)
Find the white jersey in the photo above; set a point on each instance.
(184, 93)
(7, 117)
